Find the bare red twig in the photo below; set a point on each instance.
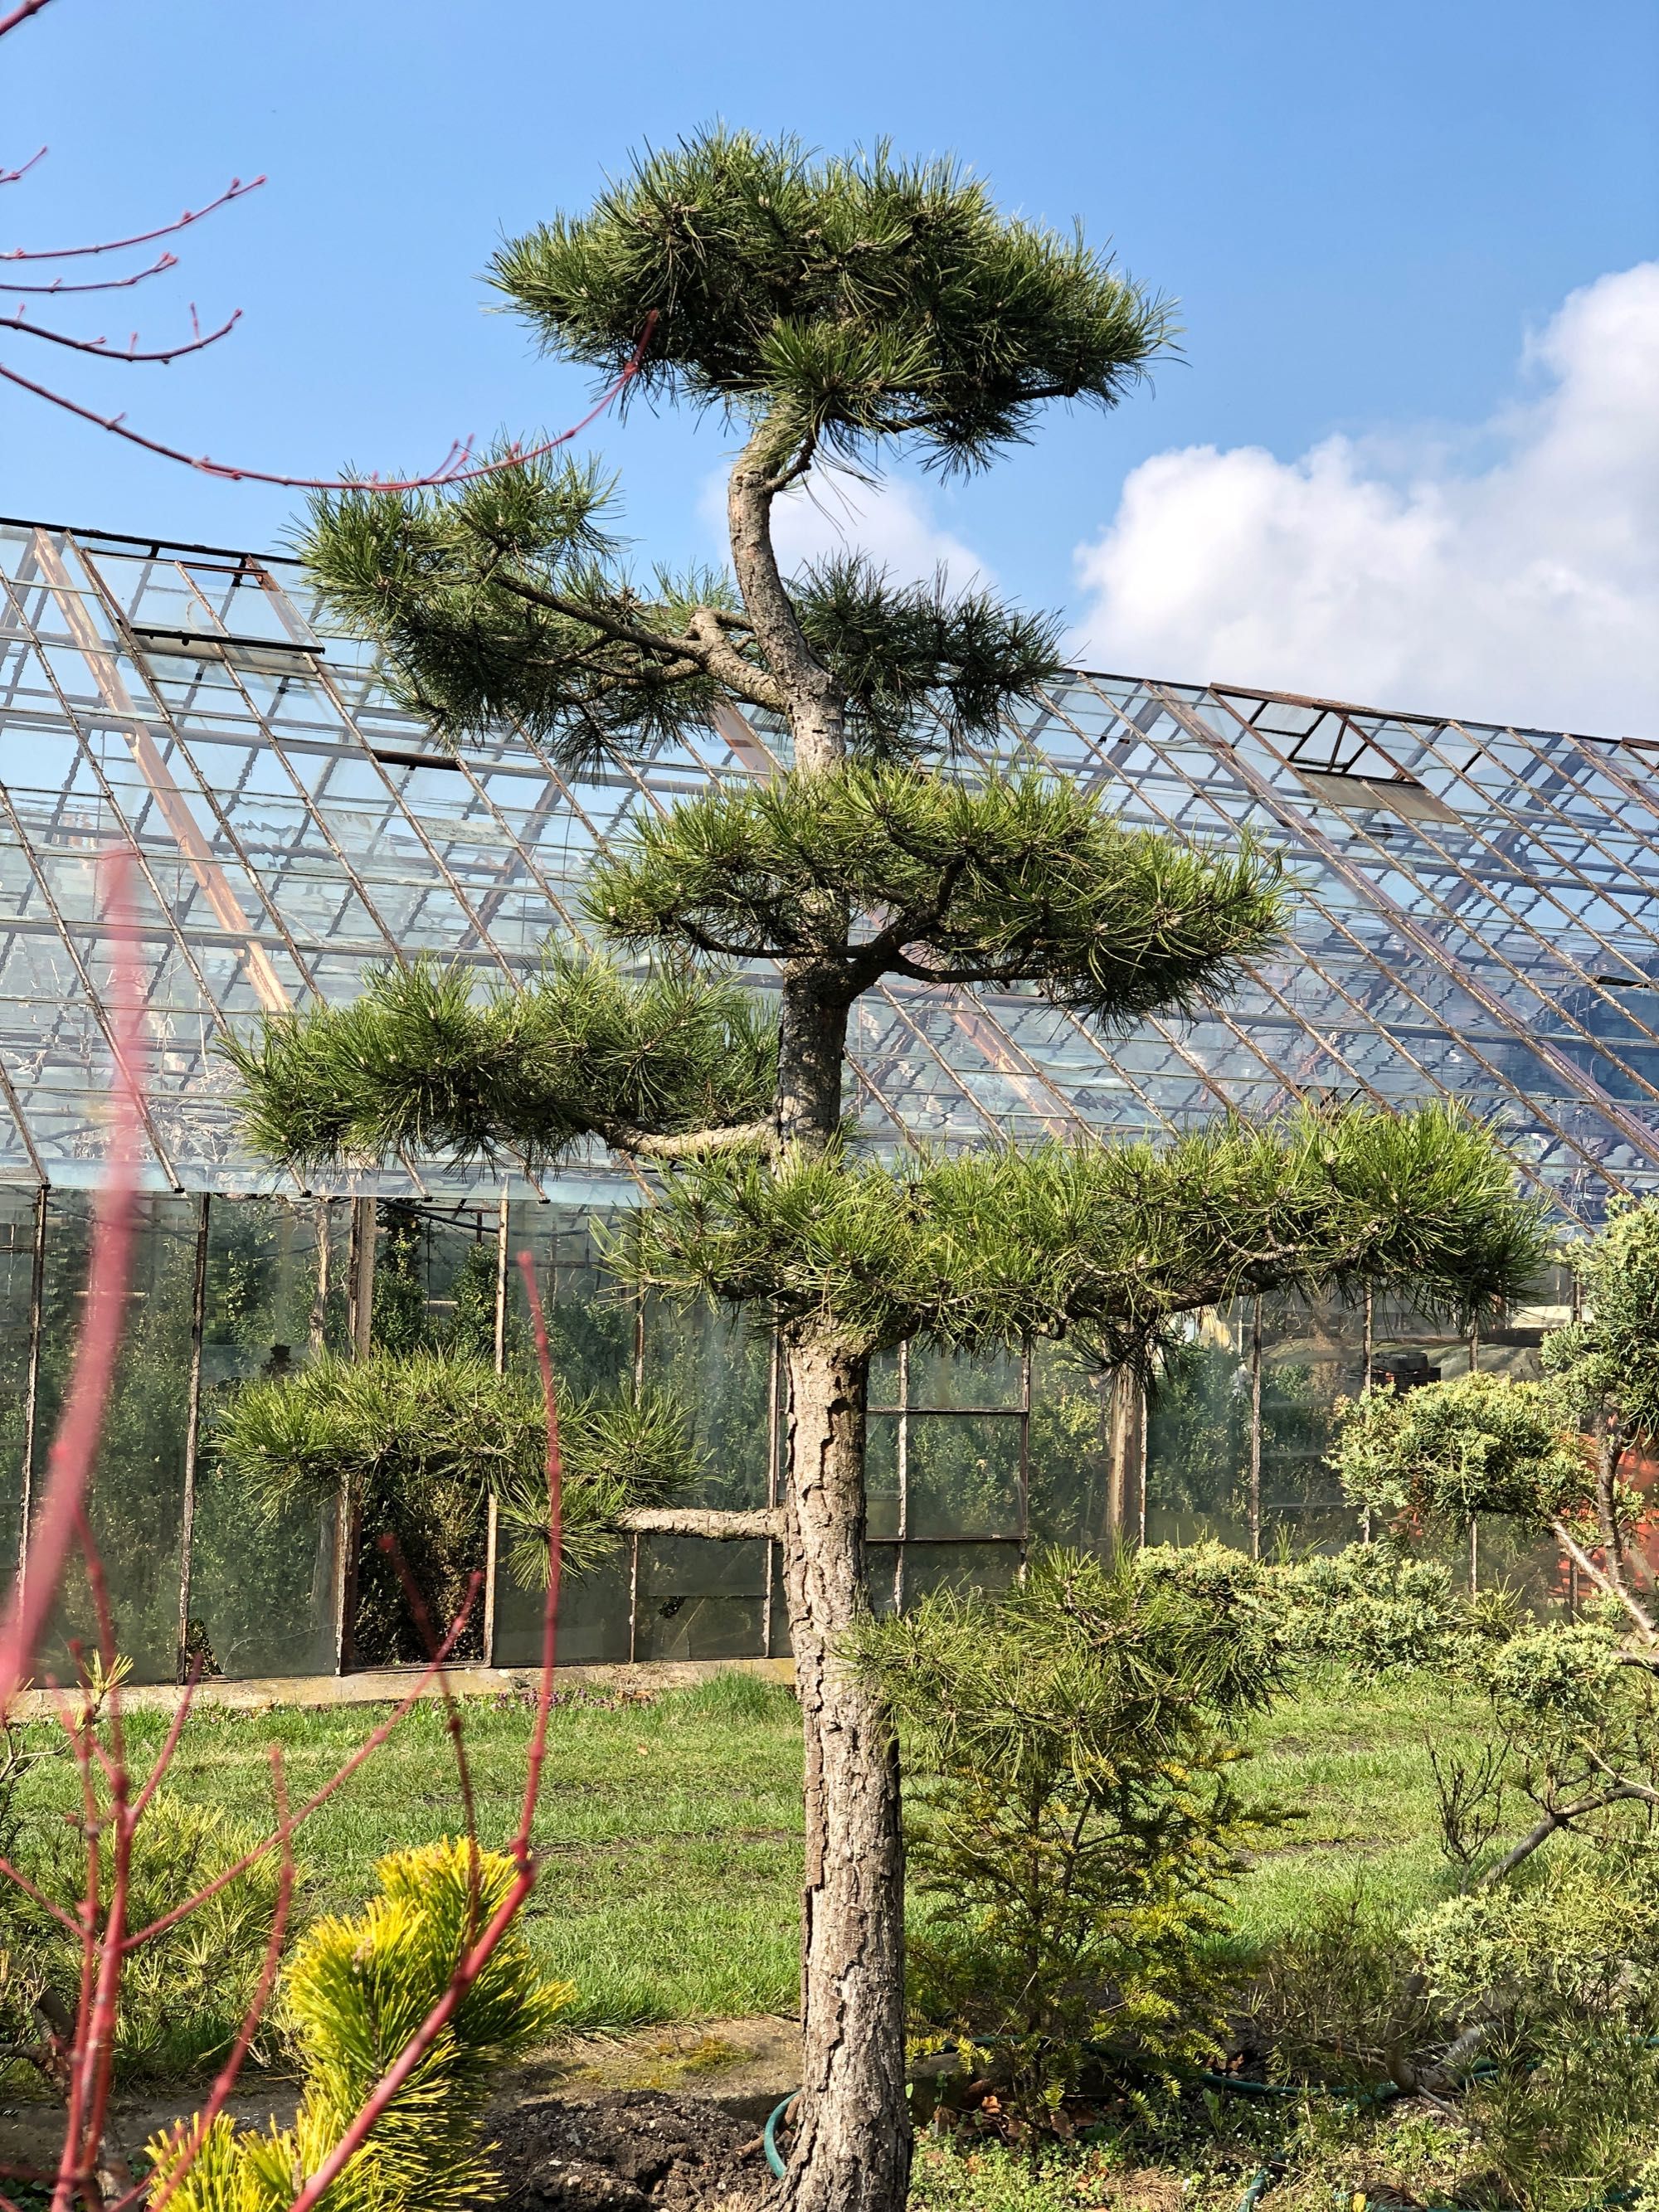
(235, 190)
(450, 471)
(29, 1889)
(12, 176)
(164, 1757)
(342, 1774)
(423, 1617)
(59, 289)
(198, 342)
(455, 468)
(20, 15)
(469, 1968)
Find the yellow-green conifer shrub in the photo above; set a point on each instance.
(356, 1991)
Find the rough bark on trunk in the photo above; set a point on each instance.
(1607, 1455)
(852, 2151)
(816, 719)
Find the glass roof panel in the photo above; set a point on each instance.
(1478, 914)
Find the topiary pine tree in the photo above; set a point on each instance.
(838, 311)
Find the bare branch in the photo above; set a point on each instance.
(236, 190)
(231, 2070)
(76, 1445)
(453, 469)
(58, 289)
(694, 1521)
(198, 343)
(712, 655)
(1582, 1560)
(21, 14)
(1560, 1817)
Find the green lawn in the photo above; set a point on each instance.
(670, 1832)
(1353, 1761)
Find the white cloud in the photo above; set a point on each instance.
(891, 520)
(1526, 589)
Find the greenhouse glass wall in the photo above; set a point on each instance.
(1478, 918)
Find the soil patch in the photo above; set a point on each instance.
(635, 2150)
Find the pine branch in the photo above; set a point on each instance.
(390, 1428)
(713, 657)
(669, 1065)
(856, 300)
(1104, 1244)
(1017, 878)
(690, 1145)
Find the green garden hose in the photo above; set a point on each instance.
(769, 2137)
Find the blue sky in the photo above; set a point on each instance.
(1374, 218)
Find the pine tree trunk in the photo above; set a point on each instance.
(851, 2150)
(817, 718)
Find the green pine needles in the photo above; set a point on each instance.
(838, 310)
(1105, 1244)
(868, 298)
(418, 1437)
(835, 306)
(1015, 879)
(1073, 1822)
(420, 1061)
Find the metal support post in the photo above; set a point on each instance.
(192, 1431)
(1364, 1392)
(492, 1526)
(1474, 1524)
(902, 1453)
(319, 1331)
(360, 1294)
(1255, 1426)
(1024, 1458)
(31, 1383)
(634, 1540)
(774, 1392)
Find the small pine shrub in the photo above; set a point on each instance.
(356, 1991)
(184, 1995)
(1074, 1825)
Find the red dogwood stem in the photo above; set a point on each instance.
(76, 1446)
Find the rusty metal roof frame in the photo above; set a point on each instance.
(1478, 917)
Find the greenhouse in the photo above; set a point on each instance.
(1476, 918)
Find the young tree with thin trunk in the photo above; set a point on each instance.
(835, 311)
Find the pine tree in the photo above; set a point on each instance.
(837, 310)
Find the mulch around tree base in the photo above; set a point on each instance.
(635, 2151)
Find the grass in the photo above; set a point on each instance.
(1351, 1759)
(669, 1832)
